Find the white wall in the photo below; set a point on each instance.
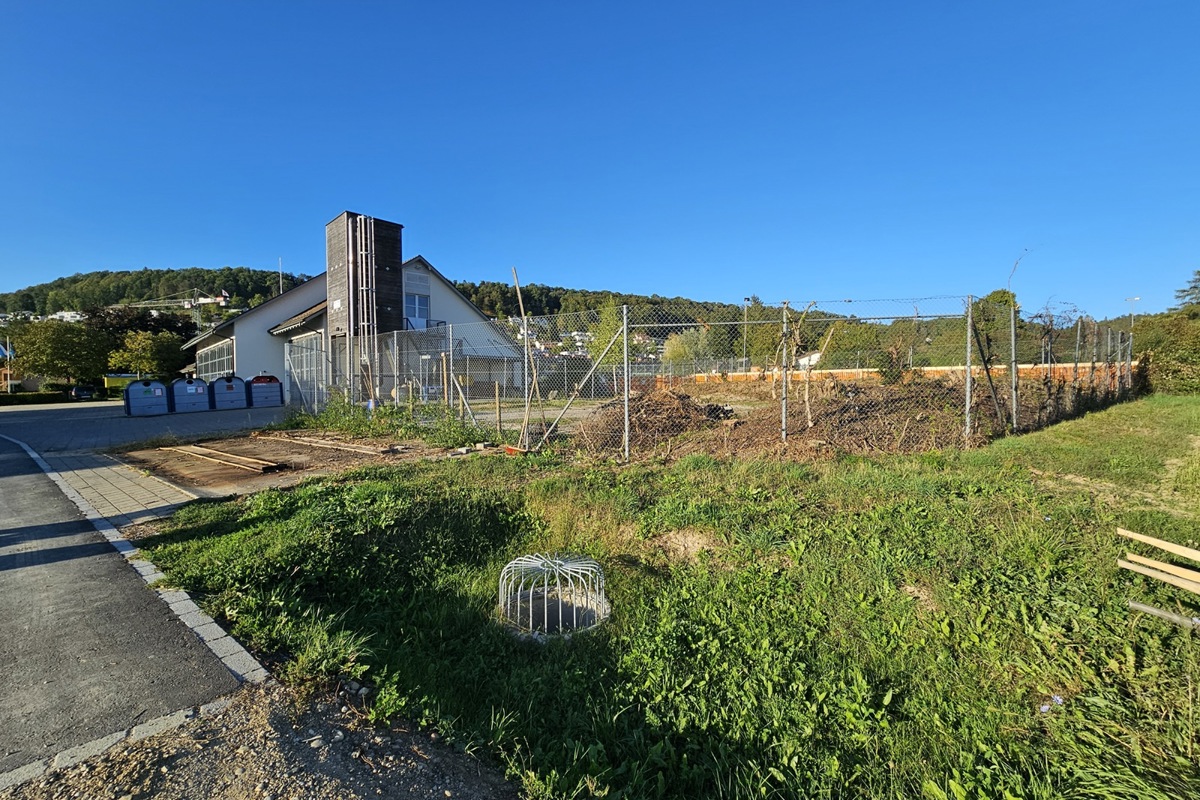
(255, 350)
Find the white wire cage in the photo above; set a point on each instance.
(552, 594)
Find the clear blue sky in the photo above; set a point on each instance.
(795, 150)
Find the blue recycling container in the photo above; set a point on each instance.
(145, 399)
(188, 394)
(227, 392)
(265, 390)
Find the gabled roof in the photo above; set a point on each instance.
(420, 260)
(224, 330)
(300, 320)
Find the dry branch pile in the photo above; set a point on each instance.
(654, 417)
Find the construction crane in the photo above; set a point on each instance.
(191, 299)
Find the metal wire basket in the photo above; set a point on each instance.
(552, 594)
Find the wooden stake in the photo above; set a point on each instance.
(1191, 586)
(1162, 566)
(1170, 547)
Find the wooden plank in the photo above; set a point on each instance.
(249, 461)
(1170, 547)
(353, 448)
(227, 459)
(1182, 583)
(1162, 566)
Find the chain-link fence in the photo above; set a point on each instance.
(631, 381)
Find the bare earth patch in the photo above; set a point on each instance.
(272, 743)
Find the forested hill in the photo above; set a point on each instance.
(500, 300)
(249, 287)
(246, 287)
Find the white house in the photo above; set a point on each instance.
(372, 325)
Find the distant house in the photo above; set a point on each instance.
(370, 325)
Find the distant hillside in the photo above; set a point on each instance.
(246, 287)
(500, 300)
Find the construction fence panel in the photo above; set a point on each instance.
(1038, 368)
(844, 376)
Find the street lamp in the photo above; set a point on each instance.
(745, 306)
(1131, 301)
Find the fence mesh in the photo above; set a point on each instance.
(628, 382)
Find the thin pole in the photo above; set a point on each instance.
(450, 341)
(499, 427)
(970, 322)
(625, 357)
(745, 323)
(1078, 331)
(1012, 347)
(783, 405)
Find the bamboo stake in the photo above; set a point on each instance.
(1178, 619)
(1162, 566)
(1191, 586)
(1170, 547)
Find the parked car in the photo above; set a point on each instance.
(82, 393)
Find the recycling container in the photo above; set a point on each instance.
(188, 394)
(227, 392)
(265, 390)
(145, 399)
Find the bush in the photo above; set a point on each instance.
(30, 398)
(1171, 342)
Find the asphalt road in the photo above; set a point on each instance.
(86, 648)
(101, 425)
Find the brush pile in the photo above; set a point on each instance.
(654, 417)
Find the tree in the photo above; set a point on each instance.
(687, 346)
(1189, 297)
(144, 352)
(54, 349)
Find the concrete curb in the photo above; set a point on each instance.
(74, 755)
(227, 649)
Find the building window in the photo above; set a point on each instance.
(215, 362)
(416, 306)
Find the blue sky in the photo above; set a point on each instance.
(798, 150)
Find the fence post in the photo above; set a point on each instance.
(450, 343)
(1129, 360)
(1013, 368)
(970, 322)
(625, 359)
(784, 394)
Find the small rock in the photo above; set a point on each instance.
(352, 686)
(337, 736)
(355, 753)
(316, 743)
(362, 692)
(435, 736)
(125, 797)
(163, 770)
(345, 709)
(448, 793)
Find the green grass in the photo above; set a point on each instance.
(887, 627)
(432, 423)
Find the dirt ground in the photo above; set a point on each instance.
(272, 743)
(297, 456)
